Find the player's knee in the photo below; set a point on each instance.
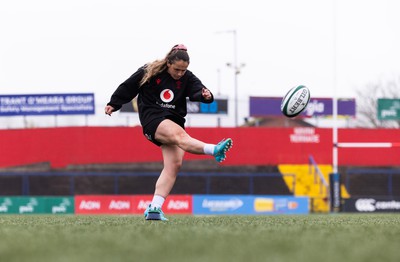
(174, 167)
(178, 166)
(183, 138)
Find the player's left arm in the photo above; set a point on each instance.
(207, 96)
(197, 91)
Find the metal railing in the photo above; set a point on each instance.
(25, 177)
(373, 181)
(318, 176)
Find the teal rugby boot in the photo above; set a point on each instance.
(154, 213)
(222, 148)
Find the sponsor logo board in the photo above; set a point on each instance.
(270, 106)
(36, 205)
(249, 205)
(97, 204)
(130, 204)
(47, 104)
(372, 204)
(174, 204)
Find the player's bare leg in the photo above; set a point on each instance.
(175, 142)
(173, 157)
(170, 133)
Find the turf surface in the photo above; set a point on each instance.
(308, 238)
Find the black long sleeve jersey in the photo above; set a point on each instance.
(161, 96)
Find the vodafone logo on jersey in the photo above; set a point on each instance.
(167, 95)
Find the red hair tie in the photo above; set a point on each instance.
(179, 47)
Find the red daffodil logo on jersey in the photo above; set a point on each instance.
(158, 81)
(167, 95)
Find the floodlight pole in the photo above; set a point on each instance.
(236, 70)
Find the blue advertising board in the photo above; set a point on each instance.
(271, 106)
(249, 205)
(47, 104)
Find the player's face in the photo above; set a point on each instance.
(177, 69)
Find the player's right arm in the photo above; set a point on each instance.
(109, 110)
(125, 92)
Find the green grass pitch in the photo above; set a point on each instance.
(333, 237)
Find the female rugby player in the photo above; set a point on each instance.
(162, 88)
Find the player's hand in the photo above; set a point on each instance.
(206, 94)
(109, 110)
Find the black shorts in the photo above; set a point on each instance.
(149, 131)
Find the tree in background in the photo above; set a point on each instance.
(367, 103)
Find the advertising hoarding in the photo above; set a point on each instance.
(103, 204)
(36, 205)
(270, 106)
(129, 204)
(47, 104)
(388, 109)
(372, 204)
(174, 204)
(249, 205)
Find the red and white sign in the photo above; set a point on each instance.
(130, 204)
(97, 204)
(174, 204)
